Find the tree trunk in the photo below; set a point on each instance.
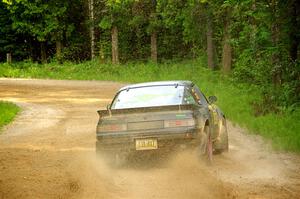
(101, 55)
(210, 45)
(153, 19)
(154, 47)
(277, 70)
(227, 50)
(8, 58)
(43, 53)
(32, 57)
(253, 33)
(58, 50)
(226, 57)
(114, 45)
(92, 28)
(294, 29)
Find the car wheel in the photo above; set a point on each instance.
(209, 147)
(206, 146)
(222, 144)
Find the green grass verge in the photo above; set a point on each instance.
(7, 113)
(234, 99)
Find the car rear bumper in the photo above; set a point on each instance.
(165, 138)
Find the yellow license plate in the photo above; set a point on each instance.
(146, 144)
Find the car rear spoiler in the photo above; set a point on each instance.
(107, 112)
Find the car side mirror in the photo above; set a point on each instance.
(108, 107)
(212, 99)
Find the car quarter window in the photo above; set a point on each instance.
(200, 97)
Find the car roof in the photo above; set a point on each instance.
(159, 83)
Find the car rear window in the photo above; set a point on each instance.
(149, 96)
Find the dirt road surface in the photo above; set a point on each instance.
(48, 152)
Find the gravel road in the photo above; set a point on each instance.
(49, 152)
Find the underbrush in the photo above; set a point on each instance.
(236, 100)
(7, 112)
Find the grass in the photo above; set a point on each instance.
(7, 112)
(234, 99)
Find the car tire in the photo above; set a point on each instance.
(223, 145)
(209, 148)
(206, 145)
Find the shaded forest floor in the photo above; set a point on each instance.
(235, 99)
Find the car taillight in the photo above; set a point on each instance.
(179, 123)
(112, 127)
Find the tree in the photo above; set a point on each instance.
(153, 22)
(227, 50)
(92, 27)
(209, 38)
(49, 21)
(294, 24)
(115, 45)
(113, 16)
(10, 41)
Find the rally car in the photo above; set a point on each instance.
(157, 115)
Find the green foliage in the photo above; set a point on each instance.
(105, 23)
(10, 41)
(259, 40)
(44, 15)
(30, 23)
(7, 112)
